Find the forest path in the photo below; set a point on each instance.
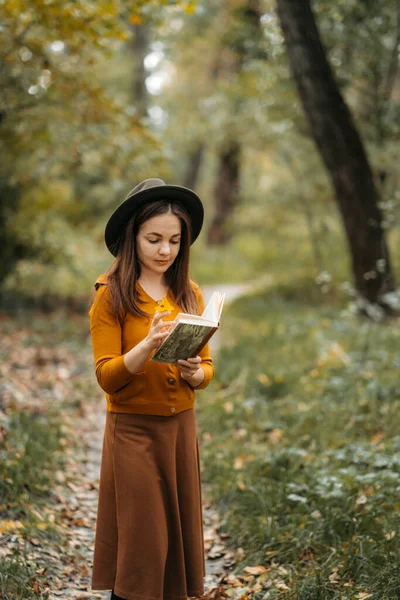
(80, 499)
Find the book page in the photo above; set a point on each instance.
(213, 310)
(194, 320)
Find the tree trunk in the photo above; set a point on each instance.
(227, 181)
(193, 167)
(140, 48)
(225, 193)
(341, 149)
(11, 249)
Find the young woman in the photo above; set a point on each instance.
(149, 530)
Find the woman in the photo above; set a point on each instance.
(149, 530)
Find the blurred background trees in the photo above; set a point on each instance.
(341, 149)
(284, 116)
(97, 96)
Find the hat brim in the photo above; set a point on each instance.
(174, 193)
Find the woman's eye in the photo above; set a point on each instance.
(155, 242)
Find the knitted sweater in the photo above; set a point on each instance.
(157, 388)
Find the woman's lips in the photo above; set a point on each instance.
(162, 262)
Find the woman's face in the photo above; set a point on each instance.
(158, 243)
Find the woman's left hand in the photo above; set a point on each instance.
(191, 371)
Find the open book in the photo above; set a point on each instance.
(191, 332)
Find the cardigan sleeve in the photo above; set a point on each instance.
(111, 372)
(206, 360)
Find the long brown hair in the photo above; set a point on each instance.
(125, 270)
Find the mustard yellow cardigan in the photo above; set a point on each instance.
(158, 388)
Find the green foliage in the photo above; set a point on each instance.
(362, 45)
(29, 456)
(72, 144)
(300, 444)
(256, 104)
(16, 577)
(68, 143)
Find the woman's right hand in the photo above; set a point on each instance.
(159, 330)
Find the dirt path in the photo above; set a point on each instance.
(79, 500)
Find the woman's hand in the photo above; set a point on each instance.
(158, 331)
(191, 371)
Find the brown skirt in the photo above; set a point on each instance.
(149, 530)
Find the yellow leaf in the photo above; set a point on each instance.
(275, 436)
(377, 438)
(257, 570)
(264, 379)
(10, 526)
(189, 8)
(135, 19)
(239, 462)
(228, 406)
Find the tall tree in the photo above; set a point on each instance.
(341, 149)
(140, 48)
(243, 39)
(226, 190)
(193, 166)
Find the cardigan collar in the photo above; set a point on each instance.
(143, 295)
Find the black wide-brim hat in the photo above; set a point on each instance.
(148, 191)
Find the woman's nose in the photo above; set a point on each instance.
(164, 249)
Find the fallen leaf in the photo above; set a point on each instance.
(257, 570)
(281, 585)
(275, 435)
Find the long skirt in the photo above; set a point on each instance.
(149, 531)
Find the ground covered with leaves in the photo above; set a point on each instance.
(301, 447)
(52, 424)
(299, 440)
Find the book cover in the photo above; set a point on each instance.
(191, 333)
(186, 340)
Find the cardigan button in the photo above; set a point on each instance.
(172, 409)
(171, 380)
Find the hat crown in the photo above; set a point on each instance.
(150, 190)
(145, 185)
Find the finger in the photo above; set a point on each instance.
(187, 370)
(161, 335)
(159, 315)
(190, 361)
(194, 359)
(186, 374)
(164, 324)
(183, 363)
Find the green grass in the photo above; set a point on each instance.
(17, 579)
(29, 457)
(300, 441)
(33, 438)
